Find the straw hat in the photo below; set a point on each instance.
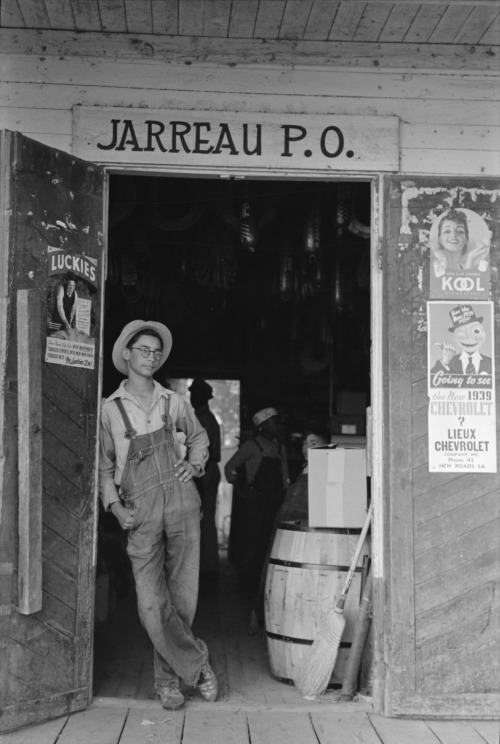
(263, 415)
(130, 330)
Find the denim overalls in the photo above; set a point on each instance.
(164, 548)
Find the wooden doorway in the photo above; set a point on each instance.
(275, 294)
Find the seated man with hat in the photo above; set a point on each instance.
(148, 486)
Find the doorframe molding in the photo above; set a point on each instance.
(378, 395)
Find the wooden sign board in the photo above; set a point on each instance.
(235, 141)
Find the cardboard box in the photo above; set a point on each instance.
(337, 486)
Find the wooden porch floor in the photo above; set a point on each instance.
(253, 708)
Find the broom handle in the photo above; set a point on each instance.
(354, 562)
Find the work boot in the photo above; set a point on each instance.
(207, 683)
(170, 696)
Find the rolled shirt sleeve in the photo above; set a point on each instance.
(196, 437)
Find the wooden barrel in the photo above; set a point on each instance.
(305, 576)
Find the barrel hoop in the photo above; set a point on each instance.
(288, 681)
(311, 566)
(305, 641)
(298, 527)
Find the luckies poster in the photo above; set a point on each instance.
(71, 299)
(461, 377)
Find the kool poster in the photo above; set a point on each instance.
(459, 242)
(461, 377)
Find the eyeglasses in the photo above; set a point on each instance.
(146, 352)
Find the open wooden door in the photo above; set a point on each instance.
(51, 257)
(439, 648)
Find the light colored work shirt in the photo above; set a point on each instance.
(115, 444)
(250, 454)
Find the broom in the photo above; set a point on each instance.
(314, 673)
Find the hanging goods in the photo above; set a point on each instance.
(248, 225)
(314, 674)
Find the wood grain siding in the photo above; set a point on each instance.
(449, 558)
(456, 542)
(375, 21)
(449, 122)
(46, 655)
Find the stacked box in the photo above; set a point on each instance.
(337, 485)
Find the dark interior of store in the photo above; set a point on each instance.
(261, 281)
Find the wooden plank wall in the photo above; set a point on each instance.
(449, 120)
(44, 665)
(443, 541)
(457, 518)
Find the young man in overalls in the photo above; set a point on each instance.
(148, 486)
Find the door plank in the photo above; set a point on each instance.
(61, 490)
(94, 726)
(295, 19)
(242, 20)
(458, 611)
(321, 19)
(269, 19)
(440, 589)
(216, 17)
(398, 22)
(61, 394)
(60, 520)
(281, 727)
(346, 728)
(476, 25)
(156, 726)
(394, 731)
(30, 450)
(450, 24)
(459, 551)
(373, 21)
(346, 21)
(457, 492)
(59, 15)
(44, 733)
(207, 726)
(138, 16)
(455, 732)
(489, 730)
(165, 14)
(191, 18)
(424, 23)
(453, 524)
(39, 674)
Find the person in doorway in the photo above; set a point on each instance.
(148, 487)
(295, 507)
(66, 300)
(295, 504)
(208, 484)
(259, 469)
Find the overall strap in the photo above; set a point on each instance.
(130, 431)
(165, 415)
